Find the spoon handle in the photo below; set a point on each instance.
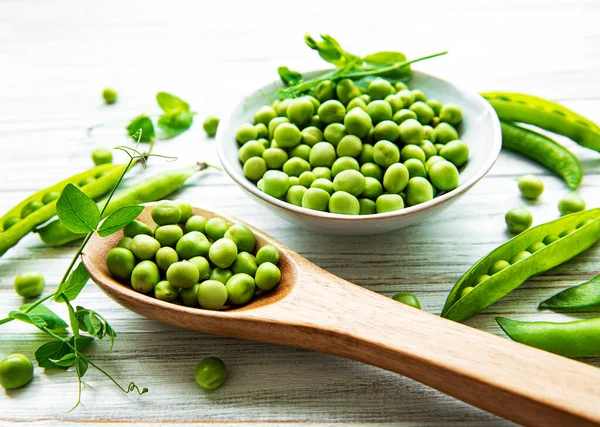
(517, 382)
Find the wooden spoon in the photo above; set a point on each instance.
(316, 310)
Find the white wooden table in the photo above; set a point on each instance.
(56, 57)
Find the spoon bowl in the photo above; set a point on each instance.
(315, 310)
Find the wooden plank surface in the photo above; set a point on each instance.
(57, 57)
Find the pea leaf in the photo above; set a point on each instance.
(119, 219)
(330, 50)
(77, 212)
(288, 76)
(65, 361)
(53, 321)
(95, 325)
(55, 350)
(28, 318)
(82, 342)
(387, 58)
(82, 366)
(170, 104)
(174, 124)
(144, 123)
(73, 285)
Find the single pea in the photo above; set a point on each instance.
(316, 121)
(412, 151)
(267, 253)
(300, 110)
(366, 155)
(435, 105)
(212, 295)
(415, 168)
(194, 244)
(267, 276)
(246, 132)
(530, 186)
(16, 370)
(389, 203)
(164, 291)
(423, 111)
(395, 102)
(400, 86)
(274, 124)
(498, 266)
(50, 196)
(534, 247)
(367, 207)
(395, 178)
(380, 88)
(244, 263)
(444, 133)
(451, 113)
(408, 299)
(379, 111)
(125, 242)
(358, 123)
(242, 236)
(518, 220)
(411, 131)
(183, 274)
(357, 103)
(331, 111)
(220, 275)
(432, 160)
(120, 263)
(418, 95)
(166, 212)
(274, 158)
(418, 190)
(185, 208)
(349, 145)
(109, 95)
(145, 276)
(428, 148)
(10, 221)
(287, 135)
(144, 247)
(444, 176)
(373, 189)
(342, 202)
(322, 172)
(295, 194)
(406, 96)
(571, 203)
(259, 184)
(385, 153)
(85, 181)
(334, 133)
(465, 291)
(550, 238)
(241, 288)
(306, 178)
(519, 256)
(371, 170)
(365, 97)
(386, 130)
(403, 115)
(315, 102)
(101, 156)
(456, 152)
(322, 154)
(223, 252)
(210, 125)
(482, 278)
(350, 181)
(264, 115)
(325, 90)
(210, 373)
(295, 166)
(323, 184)
(165, 257)
(195, 223)
(189, 296)
(31, 283)
(346, 90)
(31, 207)
(215, 228)
(168, 235)
(276, 183)
(342, 164)
(312, 135)
(429, 133)
(136, 227)
(315, 198)
(250, 149)
(202, 265)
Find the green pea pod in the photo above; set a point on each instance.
(571, 339)
(518, 107)
(544, 151)
(103, 179)
(580, 230)
(151, 189)
(583, 297)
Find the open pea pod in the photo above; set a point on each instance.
(579, 230)
(518, 107)
(583, 297)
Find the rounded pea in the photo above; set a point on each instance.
(334, 133)
(101, 156)
(300, 110)
(418, 190)
(465, 291)
(571, 203)
(322, 172)
(274, 124)
(267, 276)
(144, 247)
(403, 115)
(423, 111)
(185, 208)
(242, 236)
(183, 274)
(195, 223)
(275, 158)
(379, 111)
(295, 166)
(315, 198)
(432, 160)
(312, 135)
(412, 151)
(519, 256)
(287, 135)
(210, 373)
(16, 370)
(276, 183)
(210, 125)
(166, 212)
(165, 257)
(316, 121)
(389, 203)
(168, 235)
(380, 88)
(386, 130)
(323, 184)
(406, 96)
(136, 227)
(444, 133)
(241, 288)
(357, 103)
(435, 105)
(50, 196)
(350, 181)
(456, 152)
(120, 263)
(30, 207)
(418, 95)
(125, 242)
(295, 194)
(342, 164)
(264, 115)
(202, 265)
(395, 102)
(428, 148)
(189, 296)
(408, 299)
(371, 170)
(349, 145)
(396, 178)
(250, 149)
(373, 189)
(246, 132)
(194, 243)
(367, 207)
(482, 278)
(306, 178)
(444, 176)
(164, 291)
(518, 220)
(145, 276)
(366, 155)
(331, 111)
(429, 133)
(322, 154)
(212, 295)
(223, 253)
(220, 275)
(400, 86)
(267, 253)
(31, 283)
(358, 123)
(415, 168)
(346, 90)
(498, 266)
(263, 132)
(451, 113)
(438, 148)
(109, 95)
(385, 153)
(325, 90)
(530, 186)
(534, 247)
(411, 131)
(550, 238)
(342, 202)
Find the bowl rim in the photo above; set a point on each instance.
(242, 181)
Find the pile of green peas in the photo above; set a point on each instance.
(193, 260)
(350, 150)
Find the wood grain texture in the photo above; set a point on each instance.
(58, 56)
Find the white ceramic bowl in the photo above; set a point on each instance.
(480, 129)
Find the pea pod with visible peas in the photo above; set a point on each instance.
(526, 255)
(548, 115)
(544, 151)
(571, 339)
(31, 212)
(583, 297)
(151, 189)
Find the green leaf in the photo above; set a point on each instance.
(384, 58)
(288, 76)
(170, 104)
(73, 285)
(81, 366)
(65, 361)
(28, 318)
(55, 349)
(77, 212)
(82, 342)
(143, 123)
(93, 325)
(119, 219)
(53, 321)
(331, 51)
(174, 124)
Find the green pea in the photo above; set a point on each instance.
(202, 265)
(400, 86)
(312, 135)
(325, 90)
(357, 103)
(262, 132)
(16, 371)
(498, 266)
(264, 115)
(379, 111)
(415, 168)
(371, 170)
(212, 295)
(418, 190)
(388, 203)
(465, 291)
(408, 299)
(189, 296)
(166, 212)
(223, 253)
(267, 253)
(418, 95)
(295, 194)
(358, 123)
(407, 97)
(315, 102)
(519, 256)
(444, 133)
(456, 152)
(274, 124)
(435, 105)
(183, 274)
(194, 243)
(432, 160)
(300, 111)
(342, 164)
(242, 236)
(322, 172)
(316, 121)
(210, 373)
(315, 198)
(101, 156)
(367, 207)
(210, 125)
(244, 263)
(274, 158)
(403, 115)
(323, 184)
(220, 275)
(246, 132)
(334, 133)
(322, 154)
(350, 145)
(145, 276)
(444, 176)
(296, 166)
(164, 291)
(10, 221)
(144, 247)
(530, 186)
(451, 113)
(306, 178)
(250, 149)
(423, 111)
(429, 133)
(411, 131)
(373, 189)
(534, 247)
(30, 207)
(380, 88)
(165, 257)
(385, 153)
(31, 284)
(241, 288)
(366, 154)
(50, 196)
(168, 235)
(331, 111)
(571, 203)
(482, 278)
(136, 227)
(185, 208)
(395, 102)
(350, 181)
(518, 220)
(550, 238)
(195, 223)
(276, 183)
(109, 95)
(342, 202)
(412, 151)
(396, 178)
(386, 130)
(125, 242)
(267, 276)
(346, 90)
(428, 148)
(287, 135)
